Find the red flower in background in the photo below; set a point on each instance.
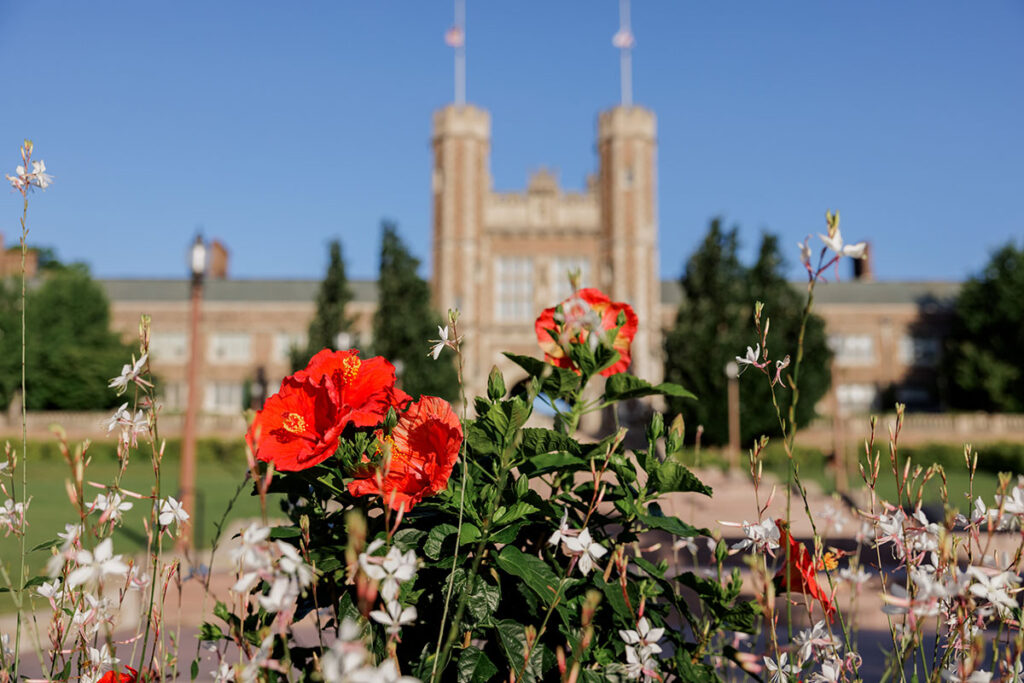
(799, 575)
(298, 426)
(365, 388)
(424, 447)
(585, 318)
(122, 677)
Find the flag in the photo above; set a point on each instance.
(623, 39)
(454, 37)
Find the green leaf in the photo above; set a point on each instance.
(532, 570)
(195, 668)
(440, 533)
(656, 519)
(484, 599)
(220, 610)
(536, 441)
(210, 632)
(557, 382)
(622, 387)
(671, 476)
(511, 514)
(513, 640)
(475, 666)
(409, 539)
(550, 462)
(285, 532)
(45, 545)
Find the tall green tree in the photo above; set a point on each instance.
(983, 368)
(71, 352)
(330, 319)
(714, 324)
(404, 321)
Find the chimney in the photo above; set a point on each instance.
(218, 261)
(863, 268)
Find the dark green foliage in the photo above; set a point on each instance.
(404, 322)
(983, 368)
(329, 320)
(715, 324)
(71, 353)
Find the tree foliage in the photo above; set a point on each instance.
(715, 324)
(71, 352)
(330, 320)
(983, 368)
(404, 322)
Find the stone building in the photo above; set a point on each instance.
(501, 257)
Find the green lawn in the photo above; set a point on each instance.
(216, 483)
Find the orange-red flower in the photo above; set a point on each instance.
(121, 677)
(799, 575)
(424, 447)
(298, 426)
(365, 387)
(585, 315)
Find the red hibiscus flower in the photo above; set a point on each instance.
(585, 317)
(424, 447)
(365, 388)
(122, 677)
(298, 426)
(800, 572)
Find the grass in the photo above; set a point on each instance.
(50, 509)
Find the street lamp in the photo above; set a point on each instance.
(197, 263)
(732, 372)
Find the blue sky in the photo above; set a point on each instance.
(276, 126)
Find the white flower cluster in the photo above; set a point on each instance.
(132, 426)
(130, 373)
(913, 535)
(641, 646)
(12, 517)
(23, 179)
(578, 543)
(278, 563)
(763, 537)
(347, 661)
(391, 571)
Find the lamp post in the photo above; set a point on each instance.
(732, 372)
(197, 263)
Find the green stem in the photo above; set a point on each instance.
(24, 446)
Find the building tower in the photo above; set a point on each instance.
(627, 187)
(461, 183)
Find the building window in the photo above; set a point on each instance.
(856, 398)
(230, 347)
(223, 398)
(513, 288)
(561, 267)
(853, 349)
(921, 351)
(284, 342)
(173, 395)
(168, 347)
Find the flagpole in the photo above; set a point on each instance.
(460, 53)
(625, 59)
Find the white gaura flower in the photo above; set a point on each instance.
(818, 638)
(639, 664)
(94, 565)
(442, 341)
(391, 570)
(346, 655)
(834, 241)
(51, 590)
(103, 659)
(781, 671)
(805, 252)
(111, 506)
(587, 548)
(129, 373)
(751, 358)
(394, 617)
(563, 531)
(764, 537)
(254, 553)
(292, 564)
(831, 672)
(995, 587)
(42, 178)
(171, 511)
(282, 596)
(224, 673)
(644, 637)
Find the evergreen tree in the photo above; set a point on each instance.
(715, 324)
(329, 320)
(404, 322)
(983, 368)
(71, 352)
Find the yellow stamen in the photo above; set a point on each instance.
(351, 368)
(294, 423)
